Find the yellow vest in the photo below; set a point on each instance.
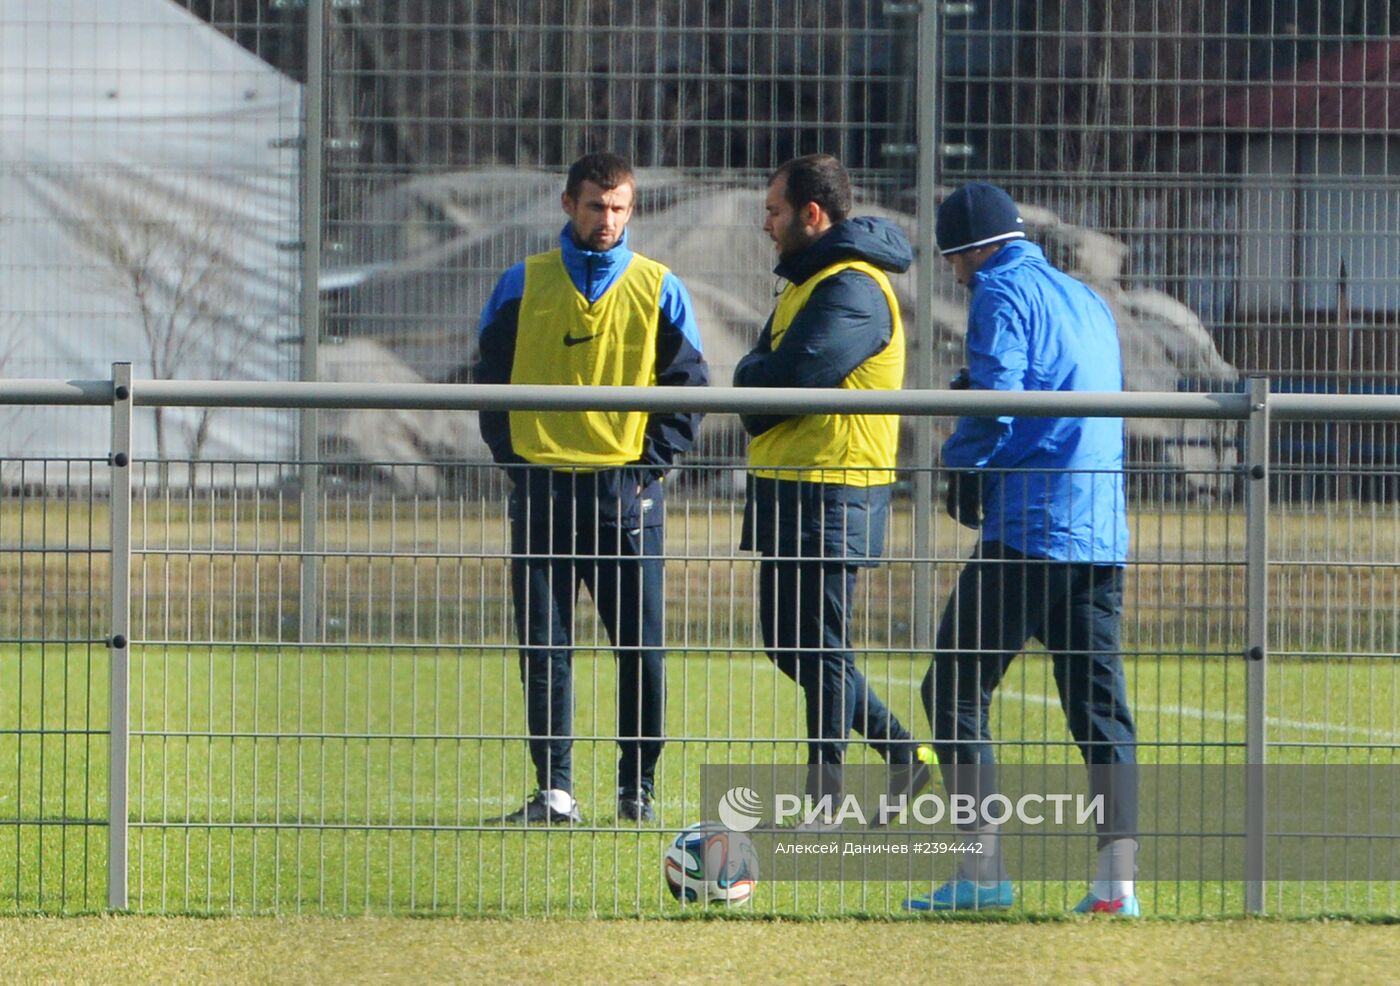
(562, 339)
(850, 449)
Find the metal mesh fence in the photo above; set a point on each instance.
(1224, 174)
(366, 770)
(54, 565)
(149, 179)
(1240, 156)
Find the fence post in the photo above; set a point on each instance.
(313, 159)
(1256, 644)
(119, 638)
(925, 367)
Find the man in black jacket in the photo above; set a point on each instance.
(819, 484)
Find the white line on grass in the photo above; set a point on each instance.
(1215, 715)
(1373, 733)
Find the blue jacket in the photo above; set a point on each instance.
(1052, 487)
(679, 360)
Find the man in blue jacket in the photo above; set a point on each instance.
(1048, 495)
(586, 504)
(819, 484)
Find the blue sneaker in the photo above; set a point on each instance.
(1122, 907)
(964, 895)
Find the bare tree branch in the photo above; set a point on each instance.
(173, 266)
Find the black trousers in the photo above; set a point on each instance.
(803, 613)
(1002, 599)
(559, 543)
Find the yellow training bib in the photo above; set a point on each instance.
(562, 338)
(850, 449)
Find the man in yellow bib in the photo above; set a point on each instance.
(586, 503)
(819, 484)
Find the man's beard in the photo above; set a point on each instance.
(794, 243)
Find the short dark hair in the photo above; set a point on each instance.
(818, 178)
(604, 169)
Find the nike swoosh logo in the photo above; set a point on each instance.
(575, 340)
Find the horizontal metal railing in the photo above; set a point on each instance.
(500, 397)
(1249, 556)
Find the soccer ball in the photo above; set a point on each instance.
(707, 862)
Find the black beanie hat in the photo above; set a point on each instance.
(976, 215)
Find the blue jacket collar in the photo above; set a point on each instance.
(870, 238)
(593, 271)
(1015, 253)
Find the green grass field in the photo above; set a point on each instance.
(287, 780)
(267, 778)
(120, 950)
